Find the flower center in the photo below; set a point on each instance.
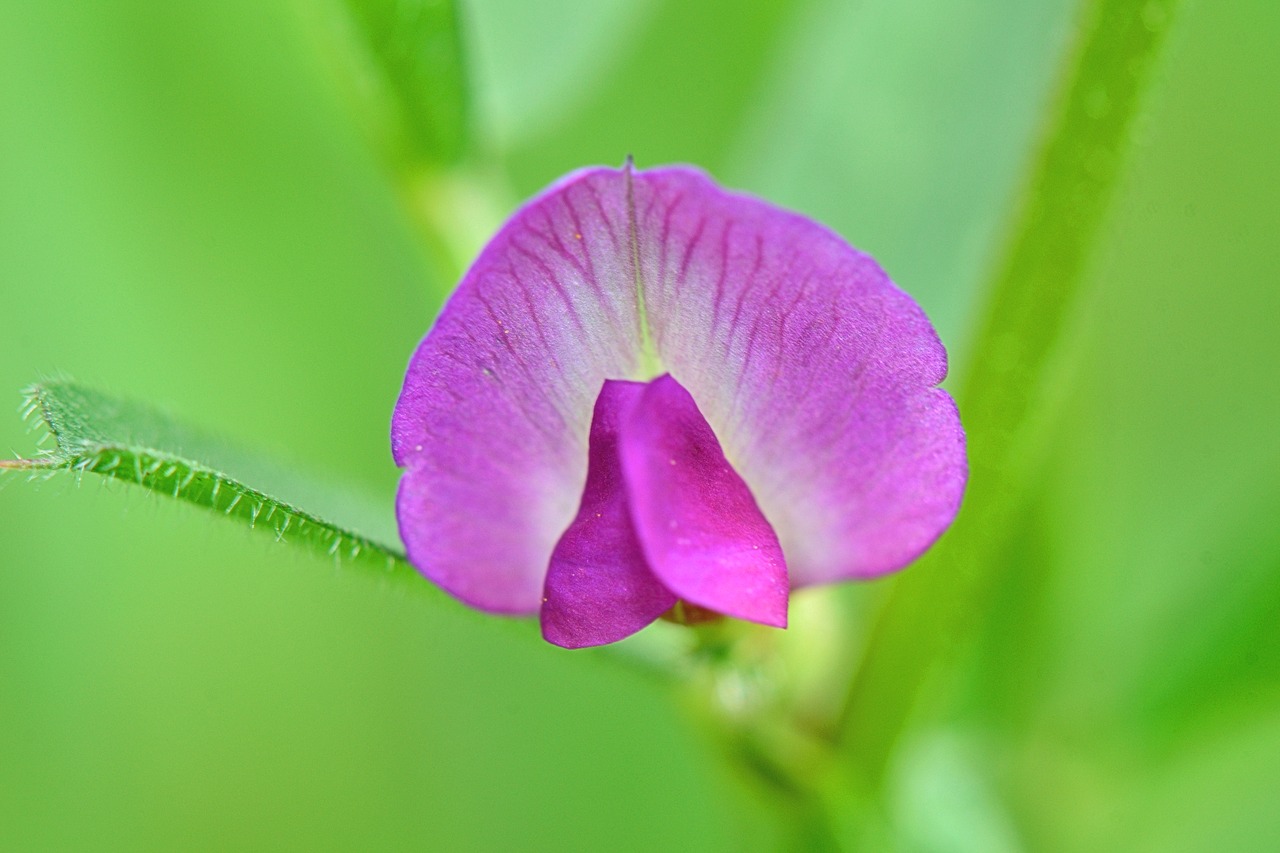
(664, 519)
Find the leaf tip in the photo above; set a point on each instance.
(28, 464)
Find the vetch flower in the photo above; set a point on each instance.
(647, 390)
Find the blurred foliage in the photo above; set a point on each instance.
(1038, 283)
(187, 212)
(402, 63)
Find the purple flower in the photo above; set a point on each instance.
(649, 390)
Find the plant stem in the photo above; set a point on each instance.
(935, 606)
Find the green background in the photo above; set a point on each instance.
(188, 214)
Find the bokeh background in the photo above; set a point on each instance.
(189, 214)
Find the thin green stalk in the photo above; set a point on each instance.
(935, 605)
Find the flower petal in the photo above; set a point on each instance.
(493, 420)
(704, 537)
(816, 373)
(599, 588)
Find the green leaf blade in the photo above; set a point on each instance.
(96, 433)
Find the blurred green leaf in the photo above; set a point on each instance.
(526, 75)
(905, 127)
(403, 60)
(670, 92)
(99, 434)
(1218, 794)
(934, 606)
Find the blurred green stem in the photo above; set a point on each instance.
(456, 210)
(935, 606)
(736, 696)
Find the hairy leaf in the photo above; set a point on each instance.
(99, 434)
(96, 433)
